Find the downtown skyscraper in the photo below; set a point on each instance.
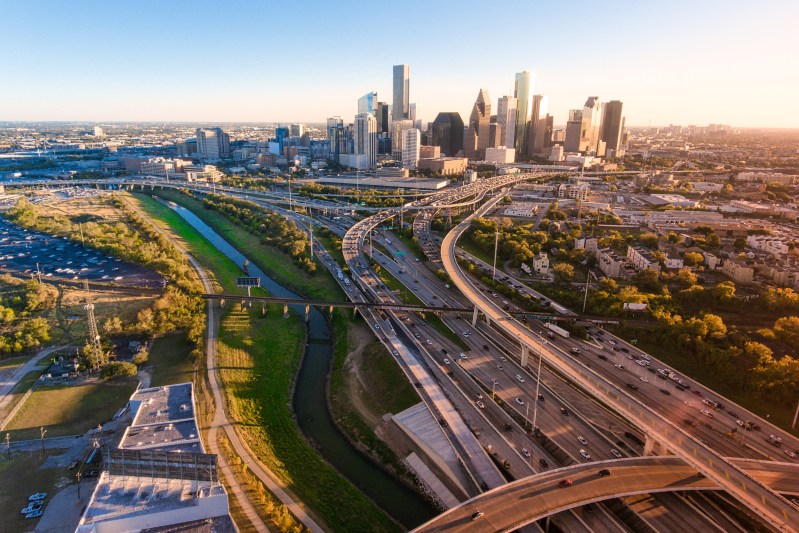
(522, 89)
(506, 119)
(612, 125)
(401, 109)
(479, 132)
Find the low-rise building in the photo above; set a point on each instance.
(589, 244)
(774, 246)
(446, 166)
(674, 262)
(575, 191)
(500, 155)
(738, 272)
(609, 263)
(521, 209)
(642, 259)
(541, 264)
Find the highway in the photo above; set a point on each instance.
(767, 504)
(528, 500)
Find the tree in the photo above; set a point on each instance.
(647, 280)
(713, 241)
(650, 240)
(112, 326)
(740, 243)
(118, 369)
(685, 278)
(564, 272)
(724, 292)
(786, 329)
(693, 258)
(673, 238)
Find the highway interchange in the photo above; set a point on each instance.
(460, 389)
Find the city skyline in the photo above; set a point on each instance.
(95, 63)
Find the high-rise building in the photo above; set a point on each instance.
(213, 144)
(612, 125)
(411, 142)
(398, 129)
(401, 109)
(281, 134)
(447, 133)
(479, 127)
(522, 89)
(365, 138)
(296, 130)
(543, 134)
(574, 131)
(98, 132)
(506, 118)
(383, 117)
(592, 116)
(367, 103)
(335, 137)
(537, 110)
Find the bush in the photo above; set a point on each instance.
(118, 369)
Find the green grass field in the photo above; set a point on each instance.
(67, 410)
(171, 360)
(21, 477)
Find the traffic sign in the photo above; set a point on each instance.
(399, 253)
(248, 282)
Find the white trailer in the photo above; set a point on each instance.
(557, 330)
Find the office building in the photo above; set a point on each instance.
(398, 129)
(367, 103)
(213, 144)
(429, 152)
(281, 134)
(574, 191)
(479, 127)
(411, 143)
(446, 166)
(612, 125)
(383, 116)
(522, 89)
(589, 133)
(447, 132)
(412, 114)
(296, 130)
(500, 154)
(335, 137)
(535, 131)
(574, 129)
(401, 109)
(98, 132)
(365, 138)
(506, 118)
(543, 134)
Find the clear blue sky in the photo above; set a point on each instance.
(679, 61)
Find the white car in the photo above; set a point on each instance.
(429, 342)
(463, 356)
(585, 454)
(582, 440)
(707, 413)
(520, 401)
(689, 404)
(480, 404)
(525, 452)
(644, 379)
(790, 454)
(446, 361)
(616, 453)
(519, 378)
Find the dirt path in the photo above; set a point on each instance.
(360, 336)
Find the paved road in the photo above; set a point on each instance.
(7, 385)
(527, 500)
(766, 503)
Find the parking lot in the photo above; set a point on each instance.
(22, 250)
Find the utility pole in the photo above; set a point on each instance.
(82, 241)
(537, 387)
(795, 416)
(585, 296)
(8, 445)
(496, 245)
(42, 432)
(310, 228)
(96, 355)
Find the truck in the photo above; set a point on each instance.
(557, 330)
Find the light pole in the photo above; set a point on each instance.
(496, 245)
(42, 432)
(537, 386)
(585, 296)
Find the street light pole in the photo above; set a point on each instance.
(42, 432)
(585, 296)
(496, 244)
(537, 386)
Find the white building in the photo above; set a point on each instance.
(556, 154)
(541, 264)
(521, 209)
(642, 259)
(213, 144)
(410, 148)
(609, 263)
(365, 138)
(589, 244)
(500, 155)
(98, 132)
(575, 191)
(770, 245)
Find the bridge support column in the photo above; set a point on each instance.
(307, 313)
(285, 311)
(525, 355)
(243, 304)
(474, 317)
(263, 308)
(488, 320)
(221, 302)
(331, 311)
(653, 447)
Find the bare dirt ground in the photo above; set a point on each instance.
(360, 336)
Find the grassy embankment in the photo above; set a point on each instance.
(259, 357)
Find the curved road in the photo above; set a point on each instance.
(527, 500)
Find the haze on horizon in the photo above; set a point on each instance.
(203, 61)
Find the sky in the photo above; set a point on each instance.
(671, 62)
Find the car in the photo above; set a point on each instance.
(707, 413)
(589, 507)
(604, 472)
(478, 514)
(620, 367)
(479, 395)
(616, 453)
(480, 404)
(39, 496)
(633, 386)
(733, 414)
(34, 514)
(775, 438)
(565, 483)
(585, 454)
(603, 357)
(689, 404)
(625, 350)
(664, 391)
(417, 335)
(564, 412)
(543, 463)
(502, 358)
(575, 351)
(461, 355)
(395, 352)
(525, 452)
(520, 401)
(377, 326)
(429, 342)
(500, 367)
(582, 440)
(790, 454)
(611, 341)
(32, 506)
(446, 361)
(541, 398)
(519, 378)
(644, 379)
(485, 347)
(696, 392)
(444, 351)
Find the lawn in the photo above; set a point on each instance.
(70, 410)
(259, 358)
(275, 263)
(21, 477)
(171, 361)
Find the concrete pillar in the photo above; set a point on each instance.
(285, 310)
(307, 313)
(263, 308)
(243, 304)
(488, 320)
(221, 302)
(525, 355)
(331, 311)
(474, 317)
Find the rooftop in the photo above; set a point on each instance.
(159, 405)
(171, 436)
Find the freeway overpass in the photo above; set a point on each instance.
(516, 504)
(764, 502)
